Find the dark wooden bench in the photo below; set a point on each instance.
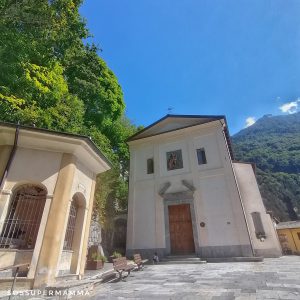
(139, 261)
(120, 265)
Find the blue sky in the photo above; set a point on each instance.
(238, 58)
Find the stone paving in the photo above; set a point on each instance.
(271, 279)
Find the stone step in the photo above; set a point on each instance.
(181, 256)
(182, 259)
(175, 262)
(235, 259)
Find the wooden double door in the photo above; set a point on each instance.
(181, 229)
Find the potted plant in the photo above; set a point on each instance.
(115, 254)
(96, 261)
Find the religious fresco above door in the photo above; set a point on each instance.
(174, 160)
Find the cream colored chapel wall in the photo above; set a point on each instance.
(34, 166)
(82, 183)
(30, 166)
(37, 167)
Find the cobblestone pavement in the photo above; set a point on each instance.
(271, 279)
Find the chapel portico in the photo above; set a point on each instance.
(46, 201)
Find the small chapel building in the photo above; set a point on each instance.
(46, 202)
(187, 195)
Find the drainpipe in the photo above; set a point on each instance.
(238, 189)
(10, 159)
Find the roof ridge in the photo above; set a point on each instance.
(216, 117)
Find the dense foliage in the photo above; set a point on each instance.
(51, 79)
(273, 143)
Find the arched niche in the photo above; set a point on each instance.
(22, 222)
(75, 229)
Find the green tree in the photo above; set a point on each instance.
(50, 78)
(92, 81)
(33, 88)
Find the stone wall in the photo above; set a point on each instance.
(95, 237)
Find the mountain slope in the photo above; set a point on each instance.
(273, 143)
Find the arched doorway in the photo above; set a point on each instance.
(119, 234)
(22, 222)
(71, 226)
(74, 232)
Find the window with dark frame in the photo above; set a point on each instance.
(150, 166)
(258, 225)
(201, 156)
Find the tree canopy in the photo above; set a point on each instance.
(46, 68)
(51, 79)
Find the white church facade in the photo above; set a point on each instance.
(188, 195)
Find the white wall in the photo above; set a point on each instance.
(144, 216)
(216, 199)
(141, 155)
(216, 206)
(210, 144)
(82, 182)
(252, 200)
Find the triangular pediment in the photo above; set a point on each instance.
(171, 123)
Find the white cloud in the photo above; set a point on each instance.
(290, 107)
(250, 121)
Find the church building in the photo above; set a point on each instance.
(187, 195)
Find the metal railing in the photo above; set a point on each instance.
(21, 225)
(17, 267)
(71, 226)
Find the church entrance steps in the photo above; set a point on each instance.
(235, 259)
(182, 259)
(182, 256)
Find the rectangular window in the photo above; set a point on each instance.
(174, 160)
(150, 166)
(201, 156)
(258, 225)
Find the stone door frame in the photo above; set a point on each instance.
(175, 199)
